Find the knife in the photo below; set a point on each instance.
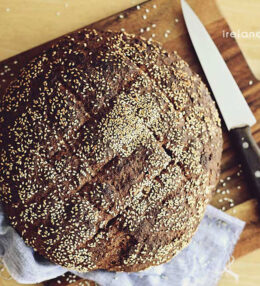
(234, 109)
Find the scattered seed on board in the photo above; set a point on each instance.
(176, 20)
(154, 6)
(250, 82)
(138, 7)
(153, 25)
(148, 29)
(121, 16)
(141, 30)
(144, 17)
(147, 10)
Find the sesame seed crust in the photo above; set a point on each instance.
(110, 150)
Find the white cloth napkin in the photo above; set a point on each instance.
(201, 263)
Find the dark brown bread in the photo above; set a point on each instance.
(110, 149)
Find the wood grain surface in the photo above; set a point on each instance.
(165, 24)
(244, 16)
(28, 23)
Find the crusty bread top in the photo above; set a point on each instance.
(110, 147)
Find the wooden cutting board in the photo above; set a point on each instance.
(163, 21)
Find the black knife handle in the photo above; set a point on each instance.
(249, 154)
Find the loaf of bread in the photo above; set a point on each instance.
(110, 150)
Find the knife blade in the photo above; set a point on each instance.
(234, 109)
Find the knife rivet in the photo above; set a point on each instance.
(245, 145)
(257, 174)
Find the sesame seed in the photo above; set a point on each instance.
(118, 131)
